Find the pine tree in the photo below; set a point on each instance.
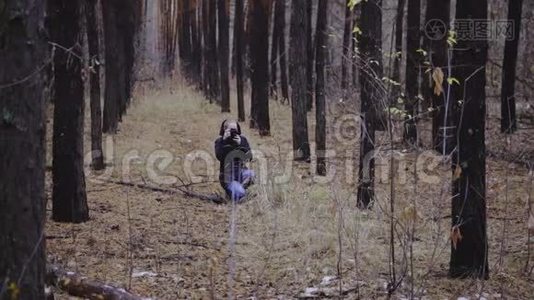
(22, 149)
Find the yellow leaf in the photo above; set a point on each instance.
(437, 76)
(457, 172)
(409, 214)
(456, 236)
(13, 290)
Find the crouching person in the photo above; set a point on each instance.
(233, 152)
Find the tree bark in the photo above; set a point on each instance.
(370, 45)
(442, 131)
(119, 32)
(259, 44)
(412, 71)
(274, 46)
(469, 249)
(97, 155)
(24, 51)
(508, 116)
(213, 64)
(346, 50)
(68, 195)
(321, 39)
(399, 31)
(299, 89)
(282, 55)
(311, 54)
(205, 50)
(239, 32)
(224, 40)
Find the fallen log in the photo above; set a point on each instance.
(215, 198)
(79, 286)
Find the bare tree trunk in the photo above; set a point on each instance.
(119, 31)
(22, 149)
(311, 54)
(275, 45)
(370, 45)
(69, 197)
(508, 117)
(91, 12)
(399, 31)
(259, 43)
(224, 40)
(205, 50)
(413, 44)
(442, 131)
(469, 249)
(321, 39)
(346, 50)
(284, 81)
(299, 90)
(239, 32)
(213, 64)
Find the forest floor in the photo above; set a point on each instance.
(297, 235)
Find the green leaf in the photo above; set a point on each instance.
(422, 51)
(451, 38)
(353, 3)
(452, 80)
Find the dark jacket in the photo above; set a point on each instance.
(232, 158)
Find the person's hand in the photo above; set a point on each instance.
(227, 134)
(237, 140)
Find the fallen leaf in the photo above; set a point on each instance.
(456, 236)
(437, 76)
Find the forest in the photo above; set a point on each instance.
(266, 149)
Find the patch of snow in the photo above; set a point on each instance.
(328, 280)
(144, 274)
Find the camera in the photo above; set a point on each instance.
(233, 133)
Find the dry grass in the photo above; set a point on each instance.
(288, 235)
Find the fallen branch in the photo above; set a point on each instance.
(79, 286)
(215, 198)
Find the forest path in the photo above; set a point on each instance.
(132, 230)
(168, 246)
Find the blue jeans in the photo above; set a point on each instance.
(235, 189)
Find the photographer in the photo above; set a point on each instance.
(233, 151)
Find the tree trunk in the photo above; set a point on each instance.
(370, 45)
(311, 54)
(22, 148)
(508, 118)
(346, 51)
(442, 131)
(274, 45)
(205, 50)
(239, 32)
(469, 249)
(299, 89)
(353, 53)
(213, 64)
(321, 39)
(412, 71)
(282, 55)
(259, 44)
(399, 31)
(119, 32)
(69, 197)
(91, 12)
(224, 40)
(196, 56)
